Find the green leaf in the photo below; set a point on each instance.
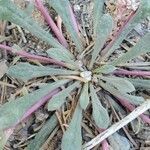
(99, 113)
(141, 47)
(103, 30)
(10, 12)
(141, 83)
(84, 97)
(136, 100)
(72, 138)
(106, 69)
(60, 98)
(26, 71)
(61, 55)
(142, 12)
(121, 84)
(12, 111)
(43, 134)
(97, 13)
(63, 9)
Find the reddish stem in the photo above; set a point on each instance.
(130, 107)
(134, 73)
(39, 103)
(34, 57)
(51, 23)
(105, 145)
(108, 47)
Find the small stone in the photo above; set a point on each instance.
(77, 8)
(87, 75)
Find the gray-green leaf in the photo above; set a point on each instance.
(43, 134)
(57, 100)
(84, 97)
(136, 100)
(61, 55)
(141, 47)
(26, 71)
(103, 30)
(72, 138)
(122, 85)
(63, 9)
(10, 12)
(106, 69)
(99, 113)
(141, 83)
(12, 111)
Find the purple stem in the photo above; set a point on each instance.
(134, 73)
(105, 145)
(106, 49)
(40, 102)
(34, 57)
(130, 107)
(51, 23)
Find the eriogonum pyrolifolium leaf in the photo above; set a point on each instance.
(100, 114)
(72, 137)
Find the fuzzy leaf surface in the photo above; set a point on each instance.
(122, 85)
(103, 30)
(99, 113)
(84, 97)
(72, 137)
(26, 71)
(10, 12)
(60, 98)
(63, 9)
(141, 83)
(142, 12)
(136, 100)
(97, 13)
(105, 69)
(61, 55)
(43, 134)
(12, 111)
(141, 47)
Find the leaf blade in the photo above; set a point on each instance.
(99, 113)
(12, 111)
(84, 97)
(72, 137)
(26, 71)
(57, 100)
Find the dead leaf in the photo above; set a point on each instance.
(3, 68)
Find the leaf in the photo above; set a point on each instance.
(61, 55)
(141, 83)
(97, 13)
(43, 134)
(121, 84)
(12, 111)
(26, 71)
(84, 97)
(10, 12)
(141, 47)
(63, 9)
(3, 68)
(106, 69)
(142, 12)
(60, 98)
(72, 138)
(103, 30)
(99, 113)
(119, 142)
(136, 100)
